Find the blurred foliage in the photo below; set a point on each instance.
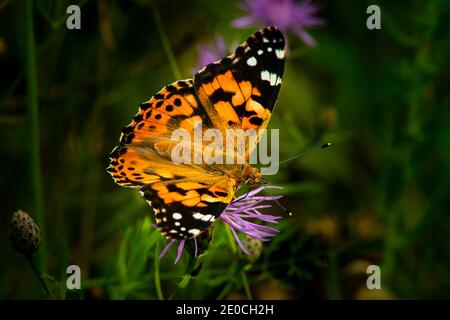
(379, 196)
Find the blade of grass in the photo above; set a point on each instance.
(63, 262)
(232, 273)
(185, 279)
(246, 286)
(49, 38)
(122, 257)
(33, 114)
(156, 265)
(166, 43)
(334, 291)
(187, 274)
(231, 240)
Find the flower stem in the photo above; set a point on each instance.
(334, 291)
(186, 277)
(233, 272)
(188, 273)
(166, 43)
(33, 115)
(246, 286)
(37, 272)
(230, 238)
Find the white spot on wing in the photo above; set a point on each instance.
(279, 53)
(271, 77)
(269, 49)
(265, 40)
(198, 216)
(177, 216)
(177, 223)
(207, 217)
(252, 61)
(265, 75)
(195, 232)
(260, 52)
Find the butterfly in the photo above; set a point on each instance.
(237, 92)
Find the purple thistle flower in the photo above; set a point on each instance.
(242, 215)
(287, 15)
(209, 53)
(243, 212)
(179, 251)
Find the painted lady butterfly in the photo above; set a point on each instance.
(237, 92)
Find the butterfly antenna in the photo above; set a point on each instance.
(285, 210)
(301, 155)
(305, 153)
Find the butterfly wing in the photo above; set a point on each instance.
(186, 197)
(185, 208)
(240, 91)
(147, 140)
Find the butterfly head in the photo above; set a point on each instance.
(251, 176)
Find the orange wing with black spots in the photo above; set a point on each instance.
(237, 92)
(145, 144)
(175, 106)
(240, 91)
(186, 198)
(185, 208)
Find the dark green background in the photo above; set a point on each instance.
(379, 196)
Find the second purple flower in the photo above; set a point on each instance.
(288, 15)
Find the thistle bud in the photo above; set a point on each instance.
(254, 247)
(25, 237)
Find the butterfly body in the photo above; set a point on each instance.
(237, 92)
